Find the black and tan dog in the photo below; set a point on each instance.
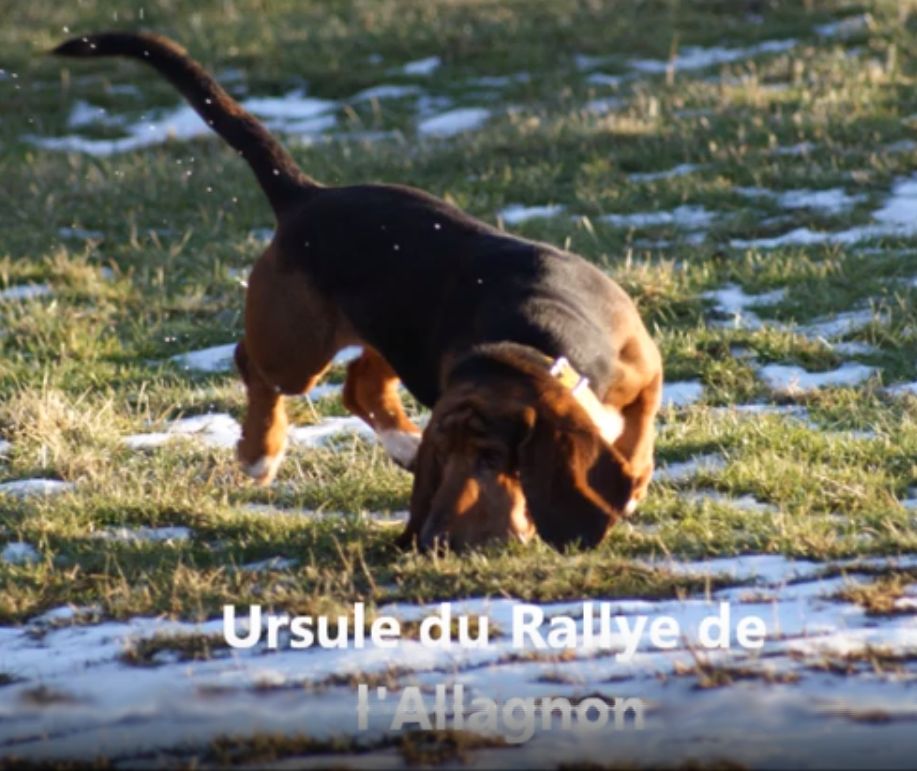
(543, 381)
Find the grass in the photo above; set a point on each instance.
(88, 365)
(417, 748)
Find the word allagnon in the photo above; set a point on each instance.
(516, 719)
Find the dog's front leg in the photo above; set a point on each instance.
(264, 430)
(371, 392)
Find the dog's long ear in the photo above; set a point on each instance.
(575, 484)
(428, 474)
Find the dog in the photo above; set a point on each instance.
(543, 381)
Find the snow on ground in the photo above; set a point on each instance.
(385, 91)
(680, 170)
(294, 113)
(144, 534)
(452, 122)
(221, 430)
(218, 358)
(681, 471)
(515, 213)
(685, 217)
(604, 105)
(732, 302)
(603, 79)
(839, 324)
(24, 488)
(19, 553)
(321, 433)
(787, 378)
(829, 201)
(212, 430)
(845, 28)
(25, 292)
(902, 389)
(81, 234)
(744, 502)
(271, 563)
(700, 57)
(681, 393)
(800, 148)
(897, 217)
(95, 703)
(426, 66)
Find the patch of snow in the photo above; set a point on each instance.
(385, 91)
(426, 66)
(901, 146)
(681, 394)
(218, 358)
(80, 233)
(294, 113)
(681, 471)
(848, 27)
(732, 302)
(902, 389)
(325, 390)
(19, 553)
(851, 642)
(515, 213)
(897, 217)
(686, 217)
(320, 434)
(453, 122)
(587, 62)
(680, 170)
(699, 57)
(839, 324)
(24, 488)
(5, 447)
(25, 292)
(829, 201)
(854, 348)
(500, 81)
(347, 354)
(293, 107)
(602, 79)
(604, 104)
(791, 379)
(271, 563)
(744, 502)
(213, 430)
(144, 534)
(793, 411)
(899, 212)
(223, 431)
(800, 148)
(84, 114)
(155, 709)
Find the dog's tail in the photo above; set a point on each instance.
(281, 179)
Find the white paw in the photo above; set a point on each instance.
(265, 468)
(631, 507)
(401, 446)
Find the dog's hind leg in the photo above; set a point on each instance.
(291, 335)
(371, 393)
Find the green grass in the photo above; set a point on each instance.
(87, 366)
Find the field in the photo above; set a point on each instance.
(747, 171)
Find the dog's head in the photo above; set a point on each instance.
(512, 450)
